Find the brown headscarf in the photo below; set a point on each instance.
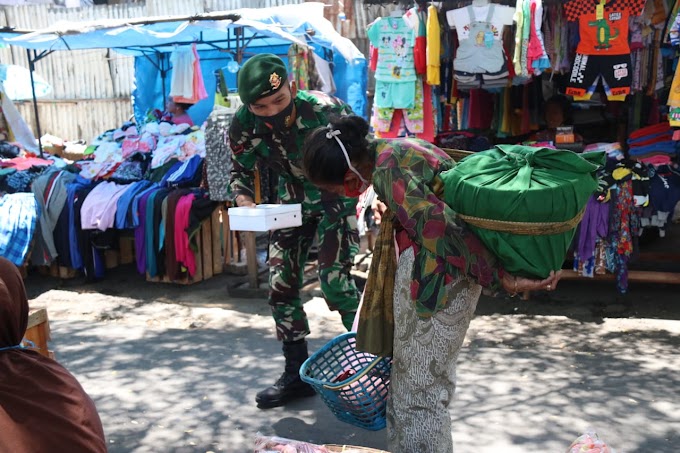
(43, 408)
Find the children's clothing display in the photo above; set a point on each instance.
(395, 75)
(480, 48)
(603, 51)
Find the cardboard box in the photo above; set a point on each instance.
(265, 217)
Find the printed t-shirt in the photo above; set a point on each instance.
(394, 40)
(460, 19)
(605, 35)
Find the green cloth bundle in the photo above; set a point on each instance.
(523, 203)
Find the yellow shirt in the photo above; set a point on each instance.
(433, 46)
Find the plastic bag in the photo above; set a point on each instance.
(275, 444)
(590, 442)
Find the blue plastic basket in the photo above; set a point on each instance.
(353, 384)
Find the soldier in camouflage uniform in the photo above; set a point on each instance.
(270, 128)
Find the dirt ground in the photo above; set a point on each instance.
(176, 368)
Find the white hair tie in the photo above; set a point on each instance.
(334, 134)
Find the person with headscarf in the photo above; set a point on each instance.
(43, 408)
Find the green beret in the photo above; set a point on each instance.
(260, 76)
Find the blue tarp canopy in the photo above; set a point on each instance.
(219, 37)
(153, 34)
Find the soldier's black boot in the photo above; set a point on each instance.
(289, 386)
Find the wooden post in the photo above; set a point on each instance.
(227, 242)
(198, 275)
(127, 252)
(207, 248)
(217, 253)
(258, 187)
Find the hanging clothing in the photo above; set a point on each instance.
(603, 50)
(99, 208)
(480, 51)
(416, 20)
(433, 46)
(395, 75)
(182, 76)
(197, 91)
(19, 213)
(218, 154)
(383, 117)
(50, 194)
(183, 252)
(327, 83)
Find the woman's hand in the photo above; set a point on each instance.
(379, 209)
(513, 284)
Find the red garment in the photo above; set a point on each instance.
(535, 51)
(43, 408)
(651, 130)
(481, 109)
(446, 120)
(428, 115)
(182, 119)
(373, 52)
(420, 55)
(183, 252)
(24, 163)
(428, 118)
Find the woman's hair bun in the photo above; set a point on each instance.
(351, 125)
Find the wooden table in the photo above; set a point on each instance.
(38, 330)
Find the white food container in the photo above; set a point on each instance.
(265, 217)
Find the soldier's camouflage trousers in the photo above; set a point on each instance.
(288, 252)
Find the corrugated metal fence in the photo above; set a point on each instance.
(92, 88)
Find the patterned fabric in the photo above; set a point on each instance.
(251, 140)
(376, 322)
(381, 120)
(577, 8)
(407, 180)
(128, 171)
(623, 228)
(19, 213)
(423, 377)
(20, 181)
(218, 154)
(338, 244)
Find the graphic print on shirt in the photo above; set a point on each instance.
(603, 33)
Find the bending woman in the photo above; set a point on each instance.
(441, 270)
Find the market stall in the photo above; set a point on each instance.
(469, 75)
(145, 180)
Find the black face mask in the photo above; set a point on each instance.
(279, 120)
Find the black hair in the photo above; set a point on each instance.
(184, 105)
(323, 161)
(564, 104)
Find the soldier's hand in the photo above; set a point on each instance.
(244, 201)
